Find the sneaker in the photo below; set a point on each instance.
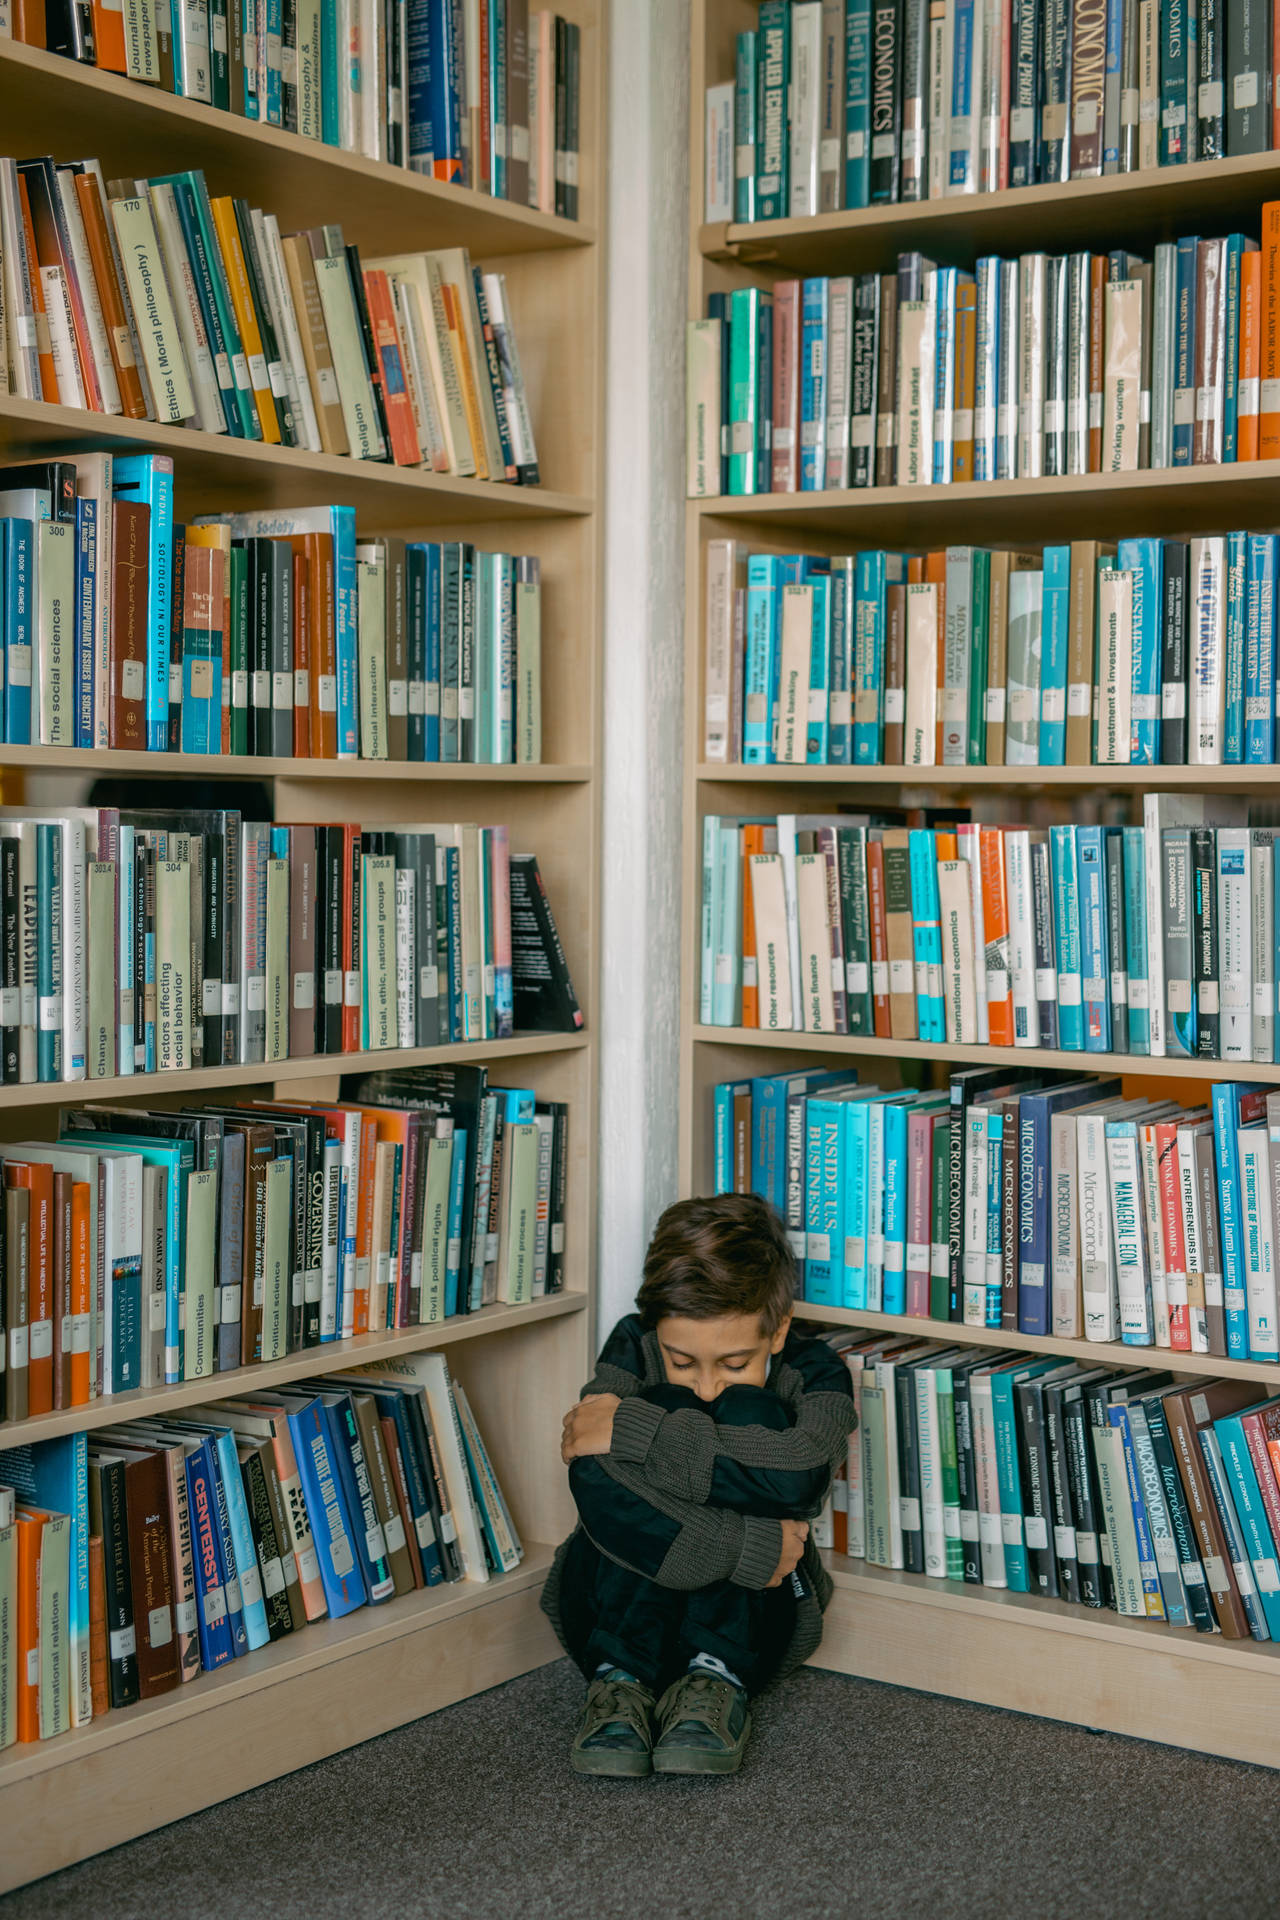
(614, 1734)
(705, 1726)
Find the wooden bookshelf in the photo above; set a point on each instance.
(1009, 1650)
(338, 1683)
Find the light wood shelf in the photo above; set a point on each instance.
(248, 474)
(248, 766)
(145, 131)
(1167, 501)
(1101, 1353)
(256, 1073)
(1143, 1065)
(976, 779)
(1117, 210)
(1067, 1662)
(358, 1351)
(338, 1683)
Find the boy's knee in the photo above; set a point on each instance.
(672, 1398)
(750, 1407)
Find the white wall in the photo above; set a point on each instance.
(644, 575)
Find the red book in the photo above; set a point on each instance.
(351, 939)
(1174, 1256)
(40, 1351)
(879, 938)
(388, 370)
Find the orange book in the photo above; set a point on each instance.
(752, 842)
(388, 370)
(29, 23)
(27, 1651)
(44, 345)
(102, 261)
(879, 938)
(1269, 354)
(301, 659)
(108, 37)
(466, 379)
(224, 220)
(63, 1325)
(995, 931)
(1250, 356)
(98, 1682)
(323, 690)
(81, 1289)
(219, 538)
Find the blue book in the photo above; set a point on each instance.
(823, 1129)
(773, 79)
(1149, 1571)
(191, 197)
(86, 603)
(346, 629)
(740, 342)
(1242, 1480)
(1066, 921)
(148, 477)
(894, 1296)
(54, 1474)
(457, 1199)
(1221, 1483)
(1005, 1420)
(722, 1134)
(347, 1454)
(49, 955)
(764, 395)
(482, 655)
(1114, 58)
(1237, 595)
(19, 582)
(1133, 842)
(393, 1404)
(818, 735)
(229, 1563)
(986, 367)
(1144, 558)
(726, 994)
(1184, 351)
(763, 636)
(1095, 963)
(744, 122)
(1260, 651)
(995, 1221)
(1235, 1103)
(944, 383)
(843, 598)
(256, 1630)
(498, 96)
(1055, 629)
(877, 570)
(1174, 66)
(855, 1166)
(435, 111)
(332, 1524)
(1036, 1110)
(857, 103)
(814, 329)
(333, 65)
(963, 103)
(926, 918)
(213, 1616)
(769, 1096)
(1236, 246)
(269, 109)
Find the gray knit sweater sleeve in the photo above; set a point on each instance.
(712, 1543)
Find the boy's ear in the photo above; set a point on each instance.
(779, 1339)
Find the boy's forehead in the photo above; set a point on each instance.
(723, 1333)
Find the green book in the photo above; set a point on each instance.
(744, 412)
(238, 651)
(981, 618)
(950, 1473)
(856, 917)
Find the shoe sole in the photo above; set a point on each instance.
(616, 1762)
(697, 1760)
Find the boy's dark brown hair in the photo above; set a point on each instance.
(717, 1256)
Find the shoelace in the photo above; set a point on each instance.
(694, 1689)
(614, 1701)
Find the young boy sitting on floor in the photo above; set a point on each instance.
(699, 1452)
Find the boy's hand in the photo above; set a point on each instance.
(794, 1535)
(588, 1427)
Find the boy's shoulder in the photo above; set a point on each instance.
(624, 1347)
(820, 1368)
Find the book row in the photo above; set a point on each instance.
(1035, 1203)
(144, 1249)
(1156, 1497)
(153, 942)
(275, 633)
(1046, 365)
(486, 96)
(857, 103)
(1159, 939)
(139, 1558)
(157, 301)
(1141, 652)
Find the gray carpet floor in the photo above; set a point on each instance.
(855, 1799)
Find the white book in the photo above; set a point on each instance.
(1064, 1234)
(804, 107)
(1262, 964)
(941, 22)
(285, 321)
(1148, 85)
(839, 379)
(209, 415)
(884, 1371)
(191, 49)
(703, 348)
(990, 1521)
(1026, 612)
(1022, 938)
(957, 637)
(917, 358)
(62, 339)
(54, 662)
(1122, 375)
(1208, 651)
(1128, 1220)
(1031, 372)
(1115, 665)
(1258, 1241)
(921, 735)
(722, 573)
(163, 357)
(1108, 1449)
(793, 675)
(817, 1012)
(773, 948)
(720, 153)
(1235, 944)
(1097, 1235)
(103, 365)
(857, 1523)
(994, 95)
(960, 998)
(969, 842)
(932, 1517)
(1193, 1229)
(359, 414)
(975, 1217)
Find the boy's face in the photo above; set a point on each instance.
(710, 1355)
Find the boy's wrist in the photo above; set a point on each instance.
(761, 1552)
